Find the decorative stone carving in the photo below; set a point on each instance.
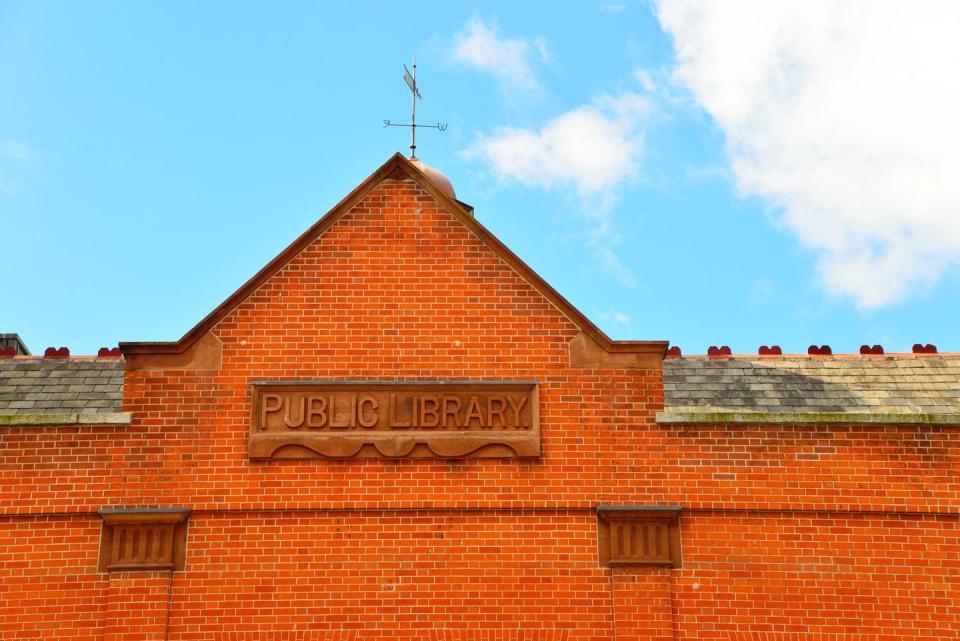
(143, 539)
(205, 353)
(587, 353)
(376, 419)
(638, 535)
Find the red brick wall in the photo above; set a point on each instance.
(137, 606)
(795, 530)
(846, 575)
(49, 588)
(642, 604)
(393, 574)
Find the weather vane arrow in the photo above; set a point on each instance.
(411, 80)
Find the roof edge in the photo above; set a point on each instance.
(268, 270)
(461, 211)
(668, 417)
(825, 358)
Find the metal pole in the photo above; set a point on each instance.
(413, 114)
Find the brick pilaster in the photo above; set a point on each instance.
(642, 606)
(137, 606)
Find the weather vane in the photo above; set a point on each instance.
(411, 80)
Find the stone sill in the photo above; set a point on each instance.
(805, 418)
(66, 418)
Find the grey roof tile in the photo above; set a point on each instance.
(855, 385)
(49, 386)
(889, 385)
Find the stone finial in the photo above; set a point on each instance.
(436, 177)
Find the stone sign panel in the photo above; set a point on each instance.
(377, 419)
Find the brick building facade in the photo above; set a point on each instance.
(627, 496)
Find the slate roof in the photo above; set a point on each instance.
(867, 387)
(895, 388)
(56, 386)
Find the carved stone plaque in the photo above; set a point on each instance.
(374, 419)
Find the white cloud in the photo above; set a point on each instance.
(12, 154)
(613, 7)
(592, 150)
(645, 78)
(615, 316)
(602, 247)
(763, 290)
(14, 150)
(593, 147)
(509, 60)
(844, 116)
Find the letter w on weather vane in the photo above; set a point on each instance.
(411, 80)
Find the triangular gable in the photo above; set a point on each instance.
(399, 167)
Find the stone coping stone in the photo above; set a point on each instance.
(66, 418)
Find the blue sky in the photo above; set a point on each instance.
(749, 176)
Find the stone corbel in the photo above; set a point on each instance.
(143, 539)
(587, 353)
(205, 353)
(638, 535)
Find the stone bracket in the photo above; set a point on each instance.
(204, 354)
(587, 353)
(143, 539)
(638, 535)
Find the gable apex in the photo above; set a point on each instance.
(400, 168)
